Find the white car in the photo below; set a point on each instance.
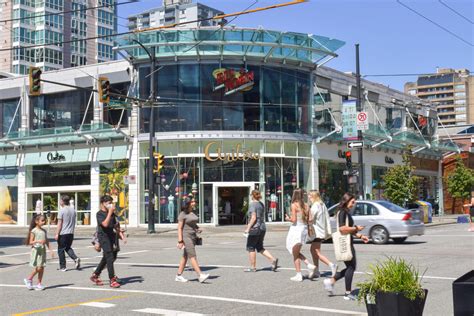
(383, 220)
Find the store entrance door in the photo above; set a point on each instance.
(231, 203)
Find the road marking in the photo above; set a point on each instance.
(244, 267)
(165, 312)
(98, 304)
(16, 254)
(203, 297)
(67, 305)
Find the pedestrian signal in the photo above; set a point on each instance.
(159, 162)
(104, 90)
(34, 75)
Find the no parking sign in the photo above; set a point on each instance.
(362, 121)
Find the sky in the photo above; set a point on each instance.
(393, 39)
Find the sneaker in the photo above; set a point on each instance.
(119, 281)
(297, 278)
(250, 270)
(114, 283)
(63, 269)
(329, 286)
(203, 277)
(180, 278)
(314, 273)
(95, 279)
(39, 287)
(349, 297)
(28, 283)
(275, 265)
(333, 267)
(78, 263)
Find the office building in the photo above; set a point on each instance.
(451, 91)
(39, 22)
(174, 11)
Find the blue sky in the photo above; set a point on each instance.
(393, 40)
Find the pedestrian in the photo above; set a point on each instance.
(65, 233)
(38, 240)
(319, 218)
(255, 233)
(188, 239)
(108, 233)
(471, 213)
(345, 206)
(296, 237)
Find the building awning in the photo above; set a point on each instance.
(8, 161)
(57, 157)
(112, 153)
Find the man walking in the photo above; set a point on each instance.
(65, 233)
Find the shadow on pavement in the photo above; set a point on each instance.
(8, 241)
(58, 285)
(8, 265)
(132, 279)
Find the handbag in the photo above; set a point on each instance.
(198, 241)
(311, 234)
(342, 242)
(95, 241)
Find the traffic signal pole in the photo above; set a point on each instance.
(361, 181)
(151, 175)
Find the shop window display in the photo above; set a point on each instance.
(8, 195)
(112, 183)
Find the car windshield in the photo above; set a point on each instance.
(392, 207)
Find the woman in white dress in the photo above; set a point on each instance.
(297, 234)
(319, 217)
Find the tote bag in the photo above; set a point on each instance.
(342, 242)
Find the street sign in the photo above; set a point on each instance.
(355, 144)
(349, 117)
(362, 121)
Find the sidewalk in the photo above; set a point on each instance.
(208, 230)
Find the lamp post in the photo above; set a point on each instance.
(151, 158)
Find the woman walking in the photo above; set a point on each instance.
(297, 233)
(109, 233)
(255, 233)
(319, 218)
(471, 214)
(345, 206)
(187, 239)
(38, 241)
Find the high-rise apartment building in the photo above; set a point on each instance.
(41, 22)
(451, 91)
(174, 11)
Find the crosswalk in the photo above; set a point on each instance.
(149, 311)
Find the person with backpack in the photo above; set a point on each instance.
(319, 218)
(255, 233)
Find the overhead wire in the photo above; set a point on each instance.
(456, 12)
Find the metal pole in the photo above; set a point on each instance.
(151, 175)
(359, 133)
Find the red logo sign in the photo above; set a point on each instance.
(362, 117)
(232, 80)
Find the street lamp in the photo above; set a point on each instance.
(151, 161)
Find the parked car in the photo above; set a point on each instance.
(384, 220)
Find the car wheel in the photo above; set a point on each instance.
(399, 240)
(379, 235)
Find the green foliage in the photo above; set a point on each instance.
(400, 183)
(394, 275)
(460, 182)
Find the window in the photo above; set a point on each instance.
(105, 51)
(61, 175)
(460, 94)
(363, 209)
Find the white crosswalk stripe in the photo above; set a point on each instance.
(165, 312)
(98, 304)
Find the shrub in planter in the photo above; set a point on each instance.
(393, 289)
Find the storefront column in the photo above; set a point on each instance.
(133, 188)
(367, 180)
(22, 208)
(95, 188)
(439, 178)
(314, 166)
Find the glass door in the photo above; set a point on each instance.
(83, 208)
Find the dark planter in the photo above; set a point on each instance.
(463, 293)
(395, 304)
(371, 309)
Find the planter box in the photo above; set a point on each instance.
(463, 293)
(395, 304)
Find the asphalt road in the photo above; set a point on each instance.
(148, 266)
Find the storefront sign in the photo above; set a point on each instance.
(233, 80)
(388, 160)
(237, 153)
(57, 157)
(349, 120)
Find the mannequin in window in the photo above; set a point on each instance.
(273, 206)
(39, 207)
(171, 208)
(227, 207)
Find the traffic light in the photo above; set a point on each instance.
(34, 75)
(104, 90)
(159, 162)
(348, 155)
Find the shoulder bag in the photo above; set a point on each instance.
(311, 235)
(342, 242)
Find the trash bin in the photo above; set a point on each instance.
(427, 211)
(463, 292)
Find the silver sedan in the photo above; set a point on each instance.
(384, 220)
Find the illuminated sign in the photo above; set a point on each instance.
(232, 80)
(237, 153)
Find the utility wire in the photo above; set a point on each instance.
(64, 12)
(397, 75)
(435, 23)
(457, 12)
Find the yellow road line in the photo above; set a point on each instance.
(70, 305)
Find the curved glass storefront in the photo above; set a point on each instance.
(228, 96)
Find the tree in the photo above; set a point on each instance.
(460, 181)
(400, 183)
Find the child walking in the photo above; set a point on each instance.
(38, 241)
